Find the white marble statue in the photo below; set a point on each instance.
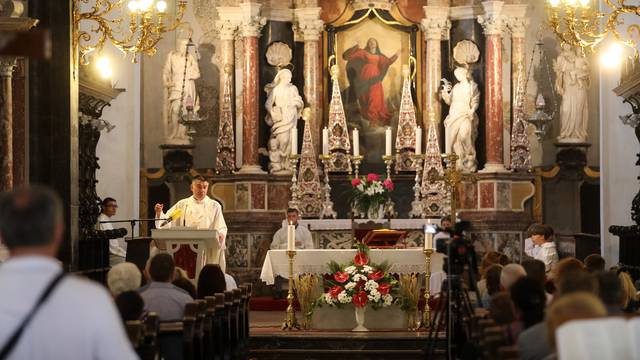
(173, 78)
(572, 83)
(284, 106)
(461, 125)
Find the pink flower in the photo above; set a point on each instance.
(355, 182)
(341, 276)
(388, 184)
(372, 177)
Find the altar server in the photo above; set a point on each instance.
(198, 211)
(303, 235)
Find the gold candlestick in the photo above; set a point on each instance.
(290, 321)
(356, 164)
(388, 160)
(426, 313)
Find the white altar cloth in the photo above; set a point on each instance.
(315, 261)
(345, 224)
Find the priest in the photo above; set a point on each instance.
(197, 211)
(303, 235)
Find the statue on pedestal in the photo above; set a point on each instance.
(284, 105)
(180, 93)
(572, 83)
(461, 125)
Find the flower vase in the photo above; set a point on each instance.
(375, 212)
(413, 320)
(360, 311)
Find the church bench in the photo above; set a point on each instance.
(135, 332)
(208, 327)
(198, 333)
(176, 338)
(508, 353)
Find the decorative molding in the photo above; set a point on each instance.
(339, 145)
(252, 22)
(307, 23)
(7, 65)
(226, 29)
(278, 14)
(406, 130)
(465, 12)
(492, 21)
(378, 4)
(436, 24)
(517, 26)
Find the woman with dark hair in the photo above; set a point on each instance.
(530, 299)
(211, 281)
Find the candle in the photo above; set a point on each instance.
(325, 141)
(428, 235)
(291, 237)
(418, 140)
(294, 141)
(387, 148)
(356, 143)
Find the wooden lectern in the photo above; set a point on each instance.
(197, 246)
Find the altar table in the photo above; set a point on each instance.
(315, 261)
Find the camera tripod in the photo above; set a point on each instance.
(452, 315)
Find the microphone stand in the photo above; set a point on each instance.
(132, 223)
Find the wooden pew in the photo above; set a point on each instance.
(176, 338)
(508, 353)
(229, 325)
(198, 340)
(209, 327)
(135, 332)
(149, 348)
(221, 327)
(236, 323)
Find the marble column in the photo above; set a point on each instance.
(517, 27)
(492, 24)
(310, 26)
(226, 32)
(250, 29)
(7, 65)
(435, 26)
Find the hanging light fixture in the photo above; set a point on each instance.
(191, 117)
(147, 23)
(580, 24)
(540, 119)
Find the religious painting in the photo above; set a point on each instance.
(370, 49)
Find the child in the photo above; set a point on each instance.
(542, 238)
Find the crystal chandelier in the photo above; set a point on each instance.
(579, 24)
(148, 21)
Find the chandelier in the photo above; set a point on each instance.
(579, 24)
(105, 21)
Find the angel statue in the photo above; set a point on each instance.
(284, 106)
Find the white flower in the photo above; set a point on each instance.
(350, 285)
(371, 285)
(360, 187)
(344, 298)
(374, 296)
(328, 299)
(388, 299)
(367, 269)
(358, 277)
(350, 269)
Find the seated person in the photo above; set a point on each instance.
(303, 235)
(124, 277)
(130, 305)
(160, 295)
(213, 281)
(443, 230)
(542, 237)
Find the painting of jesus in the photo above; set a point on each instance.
(366, 69)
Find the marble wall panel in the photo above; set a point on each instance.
(242, 196)
(258, 196)
(259, 246)
(503, 195)
(467, 196)
(278, 196)
(482, 242)
(487, 195)
(333, 239)
(237, 251)
(509, 244)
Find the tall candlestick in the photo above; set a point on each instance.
(356, 142)
(418, 140)
(428, 235)
(325, 141)
(294, 141)
(387, 148)
(291, 238)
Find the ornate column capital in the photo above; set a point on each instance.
(436, 23)
(7, 65)
(307, 23)
(252, 22)
(517, 26)
(493, 22)
(226, 29)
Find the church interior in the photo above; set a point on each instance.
(417, 159)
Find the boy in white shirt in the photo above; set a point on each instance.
(542, 238)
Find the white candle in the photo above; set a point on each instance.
(428, 235)
(387, 148)
(418, 140)
(325, 141)
(294, 141)
(356, 142)
(291, 237)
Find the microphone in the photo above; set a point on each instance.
(176, 214)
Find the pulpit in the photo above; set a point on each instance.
(191, 248)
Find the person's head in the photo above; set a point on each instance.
(501, 309)
(540, 233)
(461, 74)
(610, 290)
(130, 305)
(186, 285)
(211, 281)
(566, 265)
(529, 298)
(123, 277)
(199, 187)
(161, 268)
(292, 216)
(372, 45)
(594, 263)
(510, 274)
(31, 221)
(109, 206)
(576, 306)
(492, 258)
(492, 274)
(576, 281)
(445, 222)
(535, 269)
(629, 290)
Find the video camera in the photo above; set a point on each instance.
(460, 252)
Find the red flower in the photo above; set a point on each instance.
(376, 275)
(372, 177)
(388, 184)
(360, 299)
(335, 291)
(384, 288)
(360, 259)
(355, 182)
(341, 276)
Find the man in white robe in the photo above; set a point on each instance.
(303, 235)
(198, 211)
(117, 247)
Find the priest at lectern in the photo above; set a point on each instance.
(198, 211)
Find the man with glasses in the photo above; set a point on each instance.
(117, 247)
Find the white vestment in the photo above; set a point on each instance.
(303, 238)
(117, 247)
(205, 214)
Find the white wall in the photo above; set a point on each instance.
(119, 150)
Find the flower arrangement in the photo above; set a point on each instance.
(360, 282)
(370, 193)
